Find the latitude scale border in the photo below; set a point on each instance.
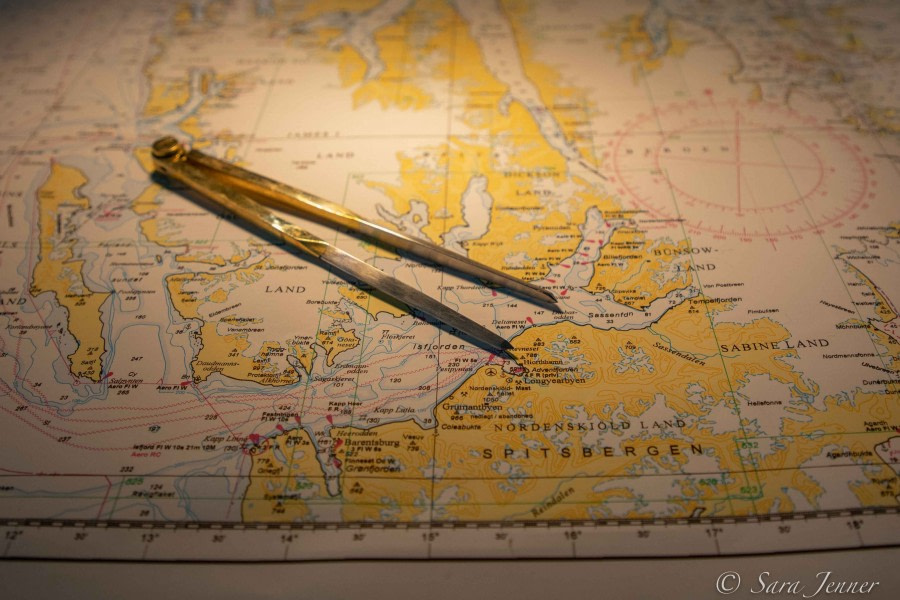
(664, 537)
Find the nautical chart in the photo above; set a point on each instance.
(708, 189)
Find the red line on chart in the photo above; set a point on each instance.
(105, 496)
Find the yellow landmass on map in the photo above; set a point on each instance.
(532, 226)
(337, 315)
(164, 231)
(351, 66)
(217, 260)
(373, 303)
(285, 478)
(399, 455)
(591, 409)
(407, 49)
(424, 183)
(166, 97)
(567, 103)
(439, 175)
(159, 230)
(225, 354)
(884, 309)
(58, 271)
(239, 256)
(186, 302)
(757, 348)
(220, 296)
(638, 270)
(191, 127)
(400, 49)
(888, 345)
(846, 429)
(224, 341)
(879, 326)
(144, 156)
(565, 432)
(147, 201)
(305, 356)
(336, 341)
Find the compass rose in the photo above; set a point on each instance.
(750, 170)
